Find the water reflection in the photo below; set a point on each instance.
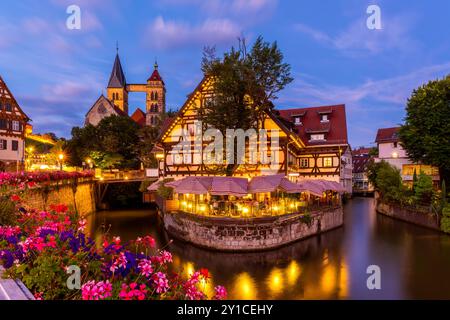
(414, 261)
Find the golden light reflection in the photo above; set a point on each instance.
(275, 282)
(188, 269)
(328, 280)
(293, 273)
(207, 287)
(244, 287)
(343, 281)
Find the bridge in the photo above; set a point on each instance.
(115, 176)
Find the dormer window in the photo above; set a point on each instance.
(297, 118)
(325, 115)
(317, 137)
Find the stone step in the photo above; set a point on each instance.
(13, 289)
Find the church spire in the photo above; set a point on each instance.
(117, 78)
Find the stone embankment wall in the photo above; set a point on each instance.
(82, 197)
(427, 220)
(231, 234)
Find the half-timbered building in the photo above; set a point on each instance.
(327, 153)
(12, 130)
(311, 143)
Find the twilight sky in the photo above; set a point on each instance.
(56, 74)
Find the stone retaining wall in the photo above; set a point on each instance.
(231, 234)
(427, 220)
(83, 198)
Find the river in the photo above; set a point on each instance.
(414, 262)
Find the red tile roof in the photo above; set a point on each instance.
(335, 130)
(387, 135)
(155, 76)
(360, 163)
(138, 116)
(361, 151)
(167, 122)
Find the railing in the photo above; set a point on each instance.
(252, 208)
(120, 175)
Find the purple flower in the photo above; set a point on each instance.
(7, 258)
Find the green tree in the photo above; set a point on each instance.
(245, 86)
(147, 139)
(414, 182)
(114, 142)
(426, 132)
(423, 190)
(387, 180)
(84, 141)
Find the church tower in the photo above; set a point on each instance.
(156, 98)
(117, 87)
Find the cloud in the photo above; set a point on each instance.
(35, 25)
(393, 91)
(215, 7)
(66, 91)
(164, 34)
(357, 39)
(371, 105)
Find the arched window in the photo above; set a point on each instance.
(156, 95)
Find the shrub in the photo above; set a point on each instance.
(445, 220)
(145, 184)
(7, 211)
(163, 191)
(423, 190)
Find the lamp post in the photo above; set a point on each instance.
(61, 158)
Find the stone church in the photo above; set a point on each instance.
(116, 100)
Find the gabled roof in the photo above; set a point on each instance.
(117, 78)
(155, 76)
(360, 163)
(102, 98)
(335, 129)
(138, 116)
(385, 135)
(5, 94)
(362, 151)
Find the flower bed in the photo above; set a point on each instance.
(30, 179)
(43, 245)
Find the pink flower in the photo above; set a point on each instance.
(190, 287)
(82, 225)
(149, 241)
(96, 291)
(166, 256)
(221, 293)
(120, 262)
(39, 296)
(192, 293)
(161, 282)
(133, 292)
(145, 266)
(51, 242)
